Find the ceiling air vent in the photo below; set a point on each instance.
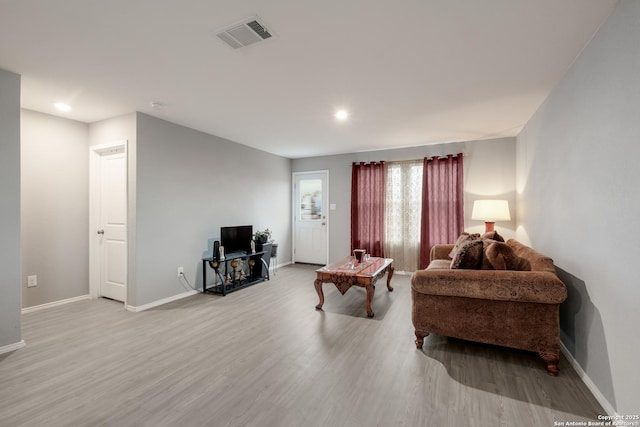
(243, 33)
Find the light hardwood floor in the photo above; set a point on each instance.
(263, 356)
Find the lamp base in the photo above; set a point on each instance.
(489, 226)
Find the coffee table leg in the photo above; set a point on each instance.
(389, 276)
(371, 289)
(318, 285)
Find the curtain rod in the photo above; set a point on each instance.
(410, 160)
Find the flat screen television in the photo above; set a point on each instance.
(236, 239)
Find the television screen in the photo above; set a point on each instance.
(236, 239)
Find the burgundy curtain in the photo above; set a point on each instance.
(442, 203)
(367, 207)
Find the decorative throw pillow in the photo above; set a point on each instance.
(469, 256)
(464, 237)
(493, 235)
(499, 256)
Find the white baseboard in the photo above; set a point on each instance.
(54, 304)
(12, 347)
(161, 301)
(587, 381)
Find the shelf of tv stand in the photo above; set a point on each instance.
(216, 265)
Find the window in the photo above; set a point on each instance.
(403, 213)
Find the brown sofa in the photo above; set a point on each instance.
(518, 309)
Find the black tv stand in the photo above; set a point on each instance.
(236, 271)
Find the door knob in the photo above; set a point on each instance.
(100, 231)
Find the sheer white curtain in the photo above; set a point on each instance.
(402, 213)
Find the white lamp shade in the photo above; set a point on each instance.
(491, 210)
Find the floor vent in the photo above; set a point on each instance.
(246, 32)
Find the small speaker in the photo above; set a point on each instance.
(216, 250)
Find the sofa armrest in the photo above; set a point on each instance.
(525, 286)
(440, 251)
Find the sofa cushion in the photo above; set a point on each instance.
(501, 256)
(469, 256)
(503, 285)
(439, 264)
(464, 237)
(492, 235)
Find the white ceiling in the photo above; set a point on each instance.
(411, 72)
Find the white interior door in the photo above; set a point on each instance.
(112, 228)
(310, 217)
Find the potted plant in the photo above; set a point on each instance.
(263, 236)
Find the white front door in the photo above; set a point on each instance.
(112, 226)
(310, 217)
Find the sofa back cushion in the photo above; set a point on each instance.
(536, 260)
(473, 252)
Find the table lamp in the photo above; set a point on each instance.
(490, 211)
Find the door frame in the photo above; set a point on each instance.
(95, 259)
(325, 202)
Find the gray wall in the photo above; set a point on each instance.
(10, 298)
(577, 184)
(489, 172)
(183, 184)
(55, 207)
(189, 184)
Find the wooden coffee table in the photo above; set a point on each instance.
(348, 272)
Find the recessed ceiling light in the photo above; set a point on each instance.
(61, 106)
(158, 105)
(341, 115)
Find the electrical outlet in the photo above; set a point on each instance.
(32, 281)
(180, 272)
